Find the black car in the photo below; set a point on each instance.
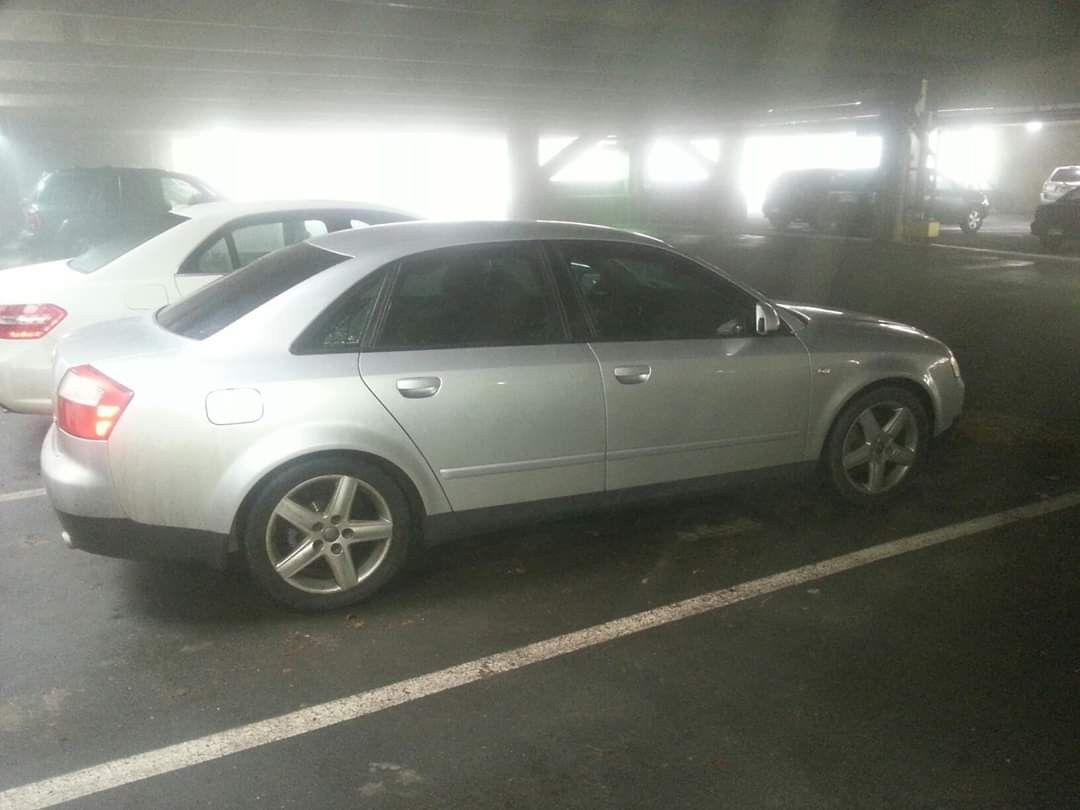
(72, 209)
(825, 198)
(1057, 221)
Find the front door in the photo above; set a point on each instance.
(691, 389)
(474, 361)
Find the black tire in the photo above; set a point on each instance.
(972, 221)
(1051, 242)
(256, 545)
(877, 399)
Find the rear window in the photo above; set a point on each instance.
(76, 189)
(134, 234)
(1067, 175)
(215, 306)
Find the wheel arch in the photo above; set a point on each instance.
(907, 383)
(401, 478)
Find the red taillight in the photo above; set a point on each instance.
(89, 404)
(29, 321)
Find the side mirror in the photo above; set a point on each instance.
(766, 319)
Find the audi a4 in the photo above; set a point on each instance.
(334, 407)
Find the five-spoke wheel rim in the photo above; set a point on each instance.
(329, 534)
(973, 220)
(880, 447)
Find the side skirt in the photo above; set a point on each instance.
(449, 526)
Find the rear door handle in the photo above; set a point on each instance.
(633, 375)
(418, 387)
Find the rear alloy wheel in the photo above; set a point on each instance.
(972, 222)
(328, 533)
(877, 443)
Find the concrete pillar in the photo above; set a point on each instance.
(636, 204)
(895, 161)
(527, 183)
(732, 203)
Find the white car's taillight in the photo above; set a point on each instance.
(29, 321)
(89, 404)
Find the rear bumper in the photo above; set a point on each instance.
(119, 537)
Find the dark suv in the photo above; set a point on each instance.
(72, 209)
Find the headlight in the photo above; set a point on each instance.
(955, 365)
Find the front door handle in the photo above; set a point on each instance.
(418, 387)
(633, 375)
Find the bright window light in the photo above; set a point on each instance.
(708, 147)
(765, 157)
(1033, 126)
(968, 156)
(606, 162)
(668, 162)
(548, 146)
(440, 175)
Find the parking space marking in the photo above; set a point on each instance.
(18, 496)
(119, 772)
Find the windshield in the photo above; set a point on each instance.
(1069, 174)
(113, 248)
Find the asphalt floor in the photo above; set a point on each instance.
(947, 677)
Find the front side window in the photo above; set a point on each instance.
(178, 191)
(486, 295)
(633, 292)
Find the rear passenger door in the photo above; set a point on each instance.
(473, 358)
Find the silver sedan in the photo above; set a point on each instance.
(334, 407)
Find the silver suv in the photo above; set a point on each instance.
(1061, 181)
(338, 404)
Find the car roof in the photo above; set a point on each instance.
(229, 209)
(408, 237)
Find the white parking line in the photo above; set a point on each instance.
(118, 772)
(18, 496)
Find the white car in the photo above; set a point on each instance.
(144, 270)
(1061, 181)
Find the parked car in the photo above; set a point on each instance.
(800, 196)
(1058, 221)
(1061, 181)
(144, 269)
(336, 405)
(72, 209)
(952, 203)
(824, 198)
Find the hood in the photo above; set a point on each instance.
(819, 316)
(44, 283)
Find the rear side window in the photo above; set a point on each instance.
(215, 306)
(486, 295)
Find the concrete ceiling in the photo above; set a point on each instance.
(556, 63)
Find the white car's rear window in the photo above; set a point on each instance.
(133, 235)
(213, 307)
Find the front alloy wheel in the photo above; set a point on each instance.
(880, 448)
(973, 221)
(877, 443)
(327, 533)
